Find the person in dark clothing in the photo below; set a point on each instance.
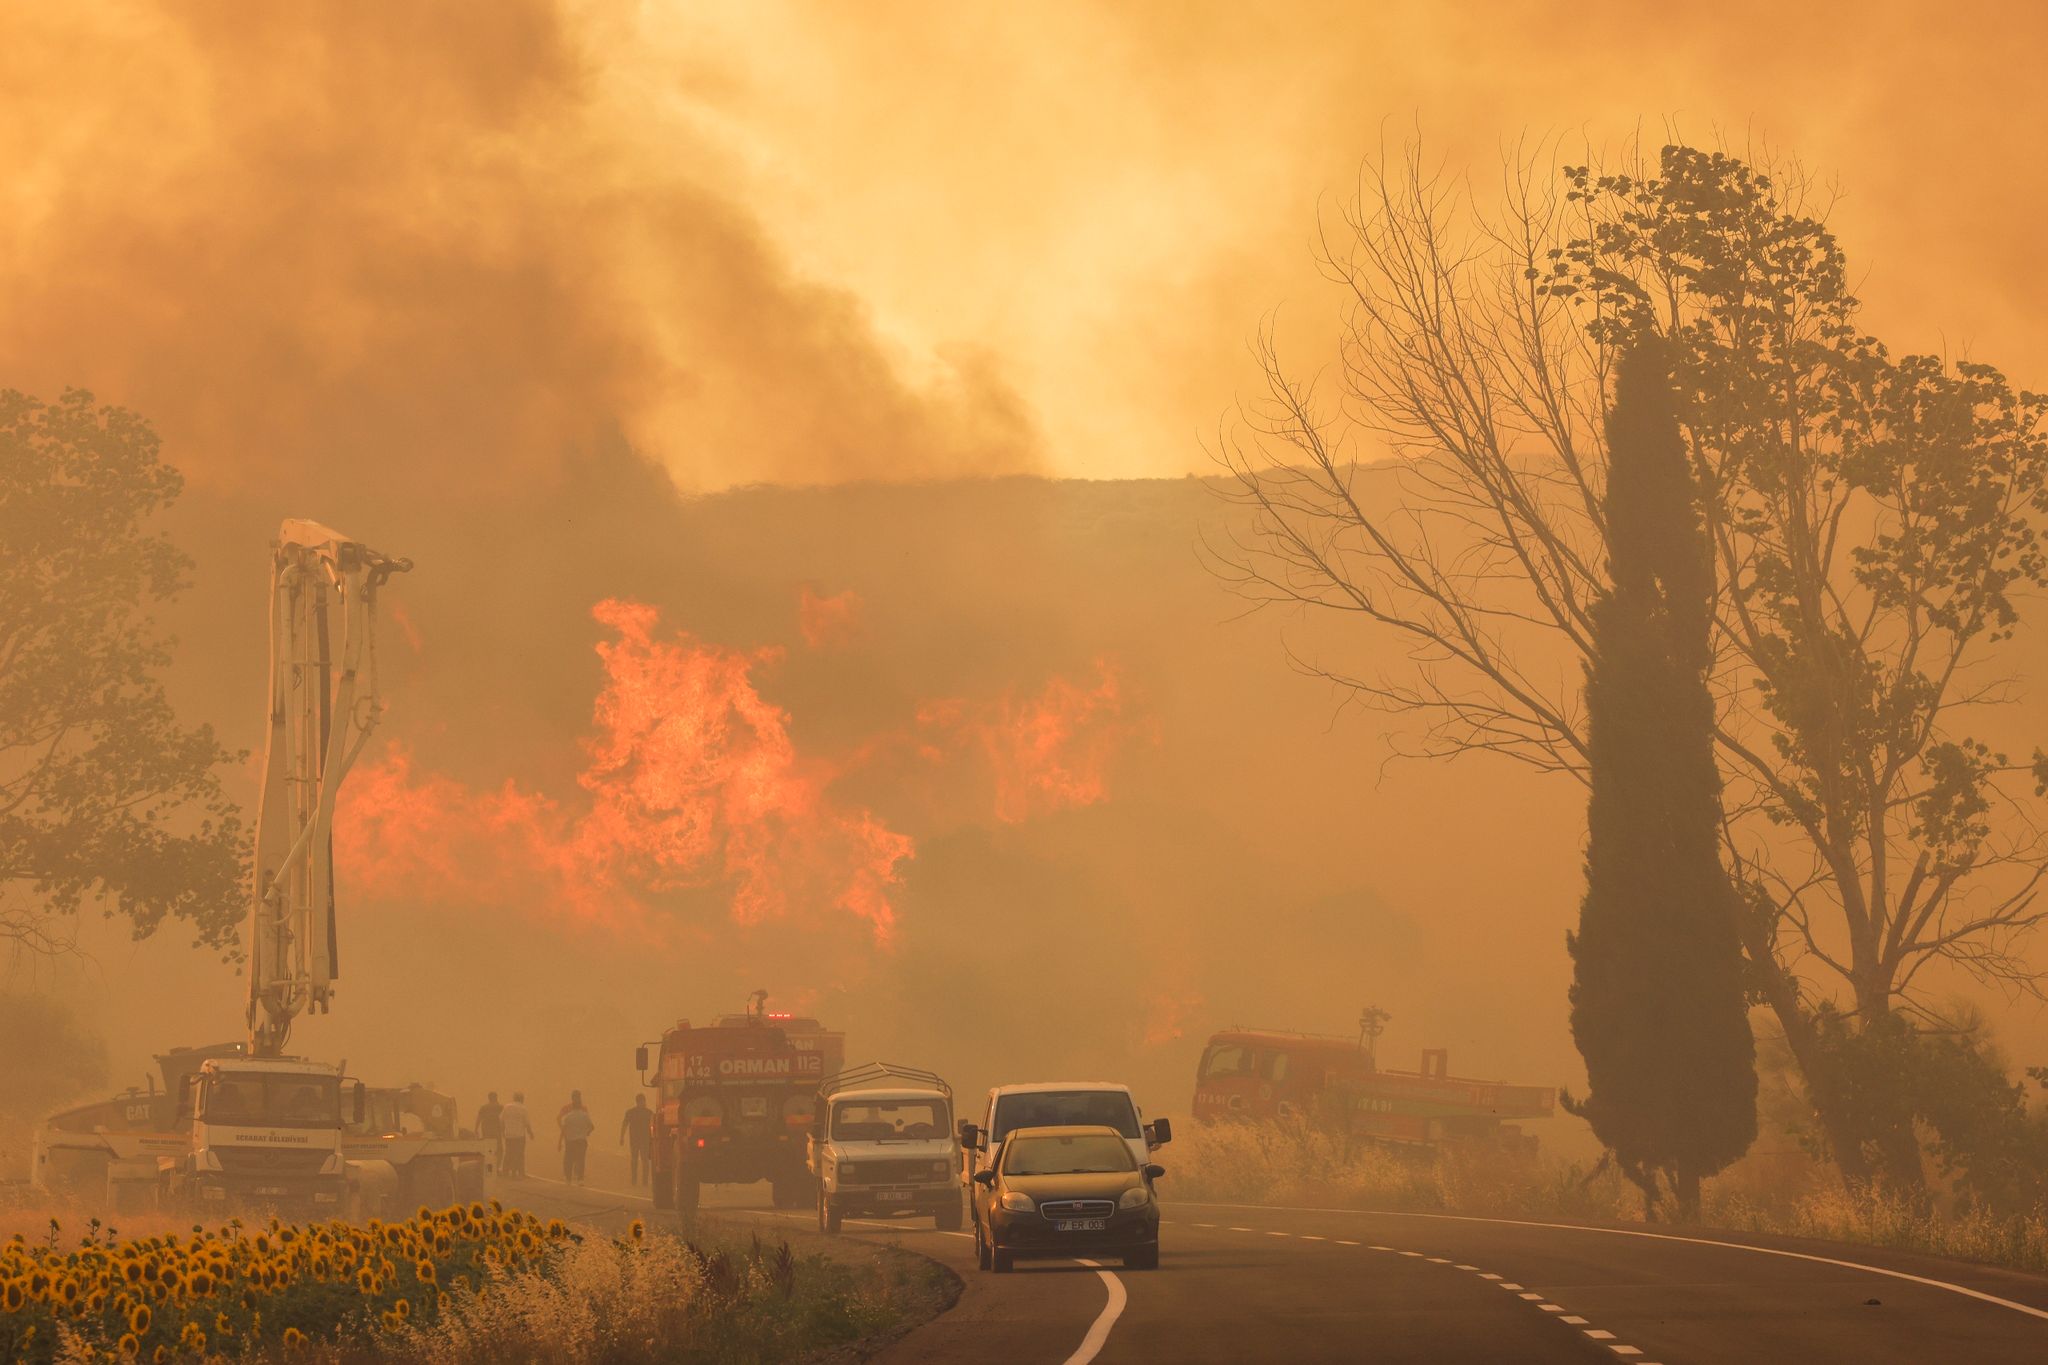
(490, 1125)
(637, 1135)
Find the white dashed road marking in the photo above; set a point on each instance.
(1527, 1296)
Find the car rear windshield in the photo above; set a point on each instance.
(880, 1120)
(1080, 1154)
(1066, 1109)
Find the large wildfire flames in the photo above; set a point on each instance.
(692, 779)
(1046, 752)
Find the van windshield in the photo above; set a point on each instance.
(1065, 1109)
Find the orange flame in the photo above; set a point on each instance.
(692, 780)
(1048, 752)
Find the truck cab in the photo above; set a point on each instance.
(882, 1146)
(263, 1132)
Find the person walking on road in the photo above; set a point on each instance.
(637, 1134)
(490, 1126)
(576, 1127)
(515, 1128)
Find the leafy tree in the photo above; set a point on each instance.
(1874, 524)
(1658, 1006)
(104, 797)
(1945, 1079)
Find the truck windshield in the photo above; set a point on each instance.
(877, 1120)
(1079, 1154)
(273, 1101)
(1065, 1109)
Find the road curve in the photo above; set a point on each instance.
(1243, 1283)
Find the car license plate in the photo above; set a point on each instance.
(1081, 1224)
(270, 1189)
(753, 1107)
(892, 1194)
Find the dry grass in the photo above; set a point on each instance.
(1292, 1164)
(1275, 1164)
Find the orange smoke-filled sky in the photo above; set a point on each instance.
(807, 242)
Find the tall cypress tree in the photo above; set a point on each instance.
(1658, 1007)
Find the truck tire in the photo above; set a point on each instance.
(790, 1191)
(829, 1216)
(685, 1196)
(948, 1218)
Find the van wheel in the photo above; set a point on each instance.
(829, 1216)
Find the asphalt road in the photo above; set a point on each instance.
(1239, 1283)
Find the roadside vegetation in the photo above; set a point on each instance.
(468, 1283)
(1787, 1193)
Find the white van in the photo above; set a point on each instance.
(1053, 1104)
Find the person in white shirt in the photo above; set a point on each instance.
(517, 1128)
(576, 1126)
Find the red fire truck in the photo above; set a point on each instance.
(735, 1102)
(1336, 1083)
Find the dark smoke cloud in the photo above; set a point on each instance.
(332, 243)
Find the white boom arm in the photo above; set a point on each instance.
(323, 705)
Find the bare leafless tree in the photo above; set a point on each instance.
(1872, 518)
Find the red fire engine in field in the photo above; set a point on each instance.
(735, 1104)
(1335, 1083)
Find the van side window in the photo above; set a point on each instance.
(1273, 1066)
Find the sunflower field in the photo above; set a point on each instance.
(240, 1291)
(472, 1284)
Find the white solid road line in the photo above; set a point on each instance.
(1962, 1289)
(1098, 1332)
(1091, 1345)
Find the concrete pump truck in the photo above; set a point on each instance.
(245, 1124)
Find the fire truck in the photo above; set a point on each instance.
(1336, 1083)
(735, 1103)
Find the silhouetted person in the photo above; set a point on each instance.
(637, 1133)
(576, 1127)
(515, 1127)
(490, 1125)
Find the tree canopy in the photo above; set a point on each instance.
(105, 798)
(1873, 521)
